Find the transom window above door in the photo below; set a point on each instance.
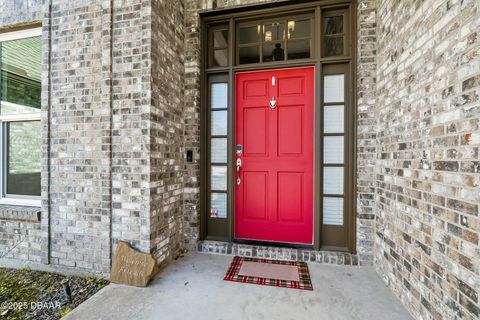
(303, 37)
(272, 41)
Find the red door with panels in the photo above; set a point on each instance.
(274, 155)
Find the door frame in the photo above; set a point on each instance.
(230, 18)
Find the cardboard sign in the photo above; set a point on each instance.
(132, 267)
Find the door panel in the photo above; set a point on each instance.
(290, 196)
(256, 131)
(274, 189)
(255, 186)
(255, 88)
(290, 128)
(290, 85)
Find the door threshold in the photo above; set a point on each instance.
(277, 252)
(274, 244)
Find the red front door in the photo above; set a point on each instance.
(274, 142)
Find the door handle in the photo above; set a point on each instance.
(239, 164)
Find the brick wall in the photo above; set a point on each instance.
(167, 128)
(366, 127)
(427, 198)
(112, 104)
(79, 136)
(20, 233)
(20, 11)
(131, 104)
(191, 118)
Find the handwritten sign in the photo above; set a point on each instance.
(132, 267)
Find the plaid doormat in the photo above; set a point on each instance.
(305, 282)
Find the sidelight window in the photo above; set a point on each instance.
(333, 149)
(218, 148)
(20, 89)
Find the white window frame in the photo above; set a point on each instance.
(16, 199)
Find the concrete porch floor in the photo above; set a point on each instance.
(193, 288)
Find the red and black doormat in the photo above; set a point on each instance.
(277, 273)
